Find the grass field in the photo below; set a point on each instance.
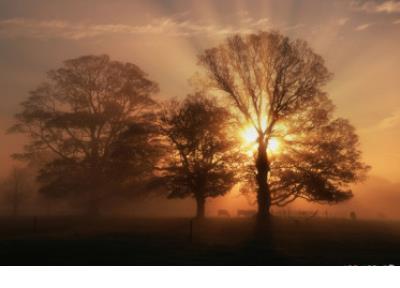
(235, 241)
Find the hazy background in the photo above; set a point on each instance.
(360, 41)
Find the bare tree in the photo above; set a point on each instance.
(270, 80)
(203, 158)
(78, 115)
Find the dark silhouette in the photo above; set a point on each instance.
(223, 213)
(319, 161)
(275, 82)
(79, 115)
(16, 190)
(15, 197)
(246, 213)
(320, 157)
(203, 156)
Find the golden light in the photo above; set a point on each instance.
(274, 146)
(250, 136)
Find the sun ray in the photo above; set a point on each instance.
(249, 137)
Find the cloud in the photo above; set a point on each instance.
(370, 6)
(342, 21)
(260, 22)
(396, 21)
(175, 25)
(21, 27)
(389, 122)
(294, 27)
(243, 13)
(363, 27)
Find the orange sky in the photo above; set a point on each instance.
(360, 41)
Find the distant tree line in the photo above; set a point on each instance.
(105, 135)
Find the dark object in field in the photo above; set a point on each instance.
(353, 215)
(246, 213)
(223, 213)
(308, 214)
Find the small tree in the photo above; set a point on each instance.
(203, 157)
(78, 115)
(273, 81)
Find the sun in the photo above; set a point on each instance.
(274, 146)
(250, 136)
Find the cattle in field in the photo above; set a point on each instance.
(303, 216)
(246, 213)
(223, 213)
(307, 214)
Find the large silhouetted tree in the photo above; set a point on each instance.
(272, 81)
(203, 157)
(318, 160)
(79, 115)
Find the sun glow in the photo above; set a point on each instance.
(250, 136)
(274, 145)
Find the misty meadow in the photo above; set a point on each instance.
(112, 160)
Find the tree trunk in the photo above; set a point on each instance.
(94, 191)
(200, 212)
(93, 201)
(263, 193)
(15, 196)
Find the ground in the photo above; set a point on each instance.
(233, 241)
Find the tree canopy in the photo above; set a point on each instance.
(102, 132)
(272, 82)
(203, 157)
(319, 158)
(79, 114)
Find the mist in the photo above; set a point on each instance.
(199, 132)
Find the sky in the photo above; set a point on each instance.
(359, 40)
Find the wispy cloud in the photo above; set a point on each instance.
(389, 122)
(370, 6)
(243, 13)
(294, 27)
(21, 27)
(167, 26)
(342, 21)
(363, 27)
